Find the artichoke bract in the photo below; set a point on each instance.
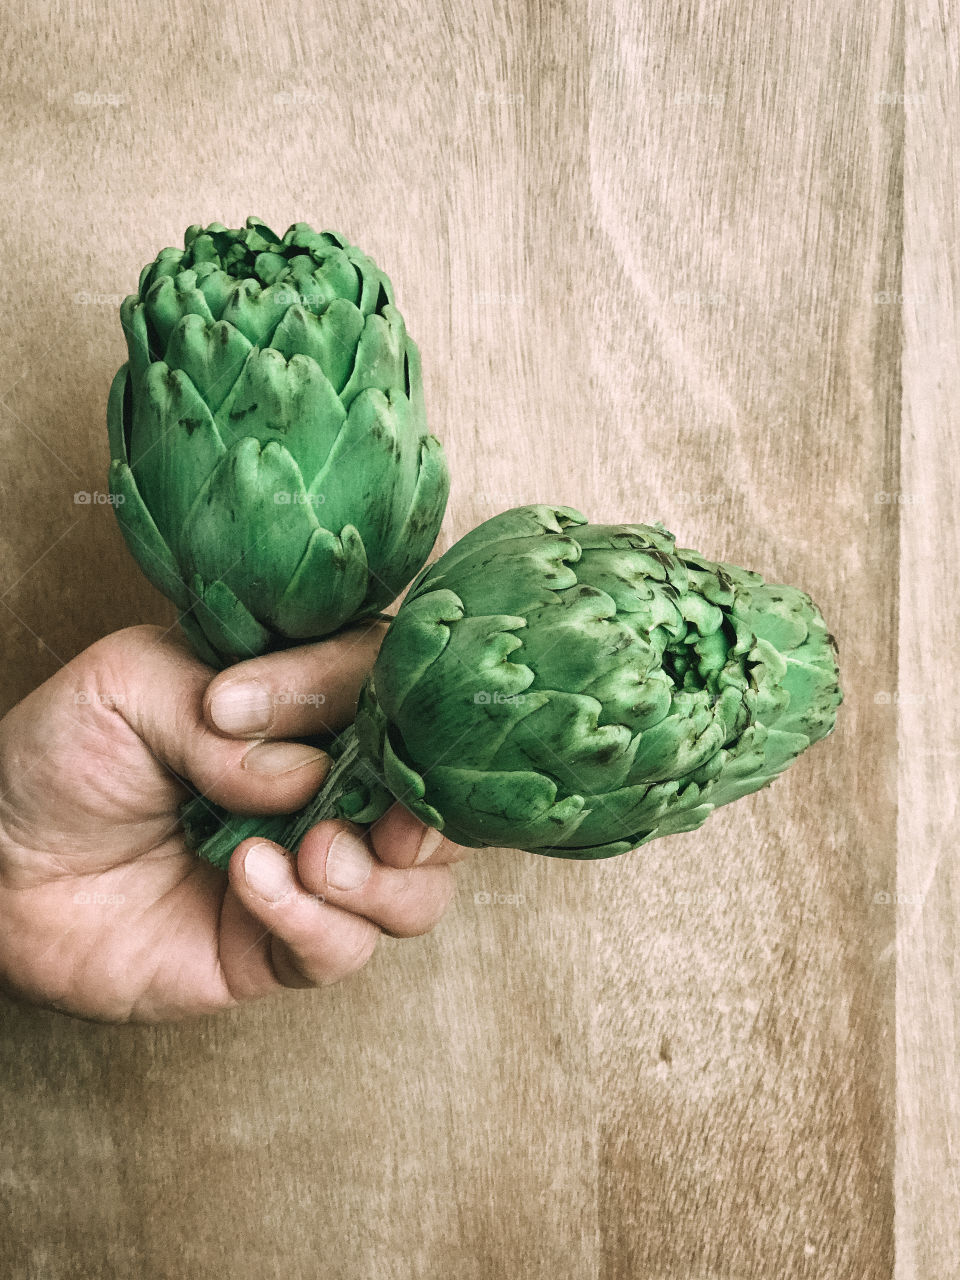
(577, 690)
(271, 467)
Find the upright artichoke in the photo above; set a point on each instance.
(272, 471)
(578, 690)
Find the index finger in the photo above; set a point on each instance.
(294, 693)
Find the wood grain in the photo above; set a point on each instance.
(656, 262)
(928, 887)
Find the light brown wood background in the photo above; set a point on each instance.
(690, 261)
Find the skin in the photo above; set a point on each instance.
(106, 915)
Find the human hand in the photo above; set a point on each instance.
(105, 913)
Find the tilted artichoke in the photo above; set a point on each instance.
(272, 470)
(577, 690)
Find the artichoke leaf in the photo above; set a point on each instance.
(230, 628)
(380, 357)
(256, 311)
(175, 447)
(413, 643)
(681, 742)
(375, 288)
(483, 543)
(216, 286)
(501, 807)
(211, 355)
(134, 321)
(371, 470)
(330, 339)
(200, 644)
(476, 672)
(562, 737)
(327, 587)
(627, 811)
(413, 538)
(119, 410)
(251, 515)
(331, 275)
(143, 537)
(171, 298)
(408, 787)
(539, 570)
(291, 402)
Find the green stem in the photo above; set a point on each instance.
(213, 833)
(218, 846)
(324, 804)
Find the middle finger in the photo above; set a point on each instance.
(336, 862)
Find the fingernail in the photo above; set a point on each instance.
(243, 706)
(349, 862)
(268, 872)
(430, 842)
(274, 758)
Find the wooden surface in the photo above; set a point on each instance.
(693, 262)
(928, 984)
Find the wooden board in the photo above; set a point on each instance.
(927, 1179)
(658, 260)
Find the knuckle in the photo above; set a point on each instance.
(309, 864)
(216, 788)
(354, 954)
(406, 890)
(119, 643)
(420, 902)
(288, 968)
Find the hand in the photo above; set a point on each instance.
(104, 912)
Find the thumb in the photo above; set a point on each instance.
(163, 686)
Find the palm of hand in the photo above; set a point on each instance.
(115, 916)
(104, 913)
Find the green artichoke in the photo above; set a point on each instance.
(577, 690)
(271, 466)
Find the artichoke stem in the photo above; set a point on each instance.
(218, 847)
(213, 833)
(341, 777)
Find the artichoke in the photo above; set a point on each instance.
(271, 466)
(577, 690)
